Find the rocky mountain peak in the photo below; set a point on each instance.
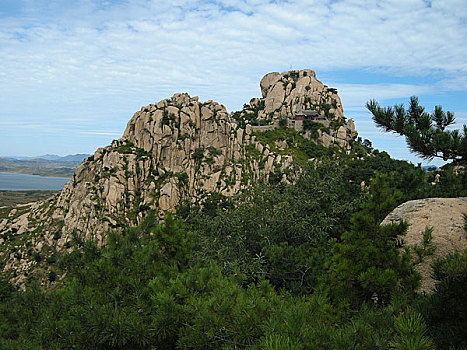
(178, 119)
(295, 96)
(181, 149)
(270, 79)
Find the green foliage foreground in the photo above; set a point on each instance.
(369, 264)
(281, 267)
(140, 293)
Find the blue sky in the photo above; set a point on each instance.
(74, 71)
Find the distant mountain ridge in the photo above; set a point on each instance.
(58, 166)
(79, 157)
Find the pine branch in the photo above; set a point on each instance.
(425, 133)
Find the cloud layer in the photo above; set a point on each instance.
(93, 58)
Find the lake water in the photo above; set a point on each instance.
(24, 182)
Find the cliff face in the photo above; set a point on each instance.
(176, 149)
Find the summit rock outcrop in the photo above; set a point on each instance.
(288, 95)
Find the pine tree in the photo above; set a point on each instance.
(446, 308)
(425, 133)
(368, 263)
(411, 332)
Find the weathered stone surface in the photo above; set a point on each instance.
(274, 98)
(169, 196)
(351, 128)
(445, 215)
(341, 133)
(267, 81)
(325, 139)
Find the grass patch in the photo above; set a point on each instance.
(300, 148)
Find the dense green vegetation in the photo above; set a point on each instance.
(367, 263)
(301, 148)
(280, 266)
(278, 232)
(249, 114)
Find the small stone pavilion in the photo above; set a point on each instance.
(308, 114)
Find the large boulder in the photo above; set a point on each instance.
(286, 93)
(267, 82)
(446, 216)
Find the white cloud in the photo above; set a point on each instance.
(94, 58)
(355, 96)
(144, 38)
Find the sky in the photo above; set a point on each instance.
(73, 72)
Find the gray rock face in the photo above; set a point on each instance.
(175, 150)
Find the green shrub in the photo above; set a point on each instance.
(37, 257)
(411, 333)
(52, 276)
(446, 309)
(312, 127)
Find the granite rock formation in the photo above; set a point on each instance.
(177, 149)
(284, 95)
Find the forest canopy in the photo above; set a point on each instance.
(281, 266)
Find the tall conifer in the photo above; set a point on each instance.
(368, 263)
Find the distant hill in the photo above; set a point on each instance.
(73, 158)
(48, 157)
(56, 158)
(60, 166)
